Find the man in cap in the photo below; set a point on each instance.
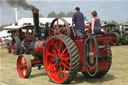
(78, 20)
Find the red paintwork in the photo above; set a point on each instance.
(56, 48)
(58, 44)
(102, 52)
(35, 62)
(24, 69)
(58, 29)
(39, 47)
(114, 38)
(102, 66)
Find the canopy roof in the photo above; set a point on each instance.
(109, 25)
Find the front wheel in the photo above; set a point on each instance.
(24, 66)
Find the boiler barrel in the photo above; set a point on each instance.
(39, 47)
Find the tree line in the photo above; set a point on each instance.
(61, 14)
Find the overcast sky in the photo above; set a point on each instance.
(107, 9)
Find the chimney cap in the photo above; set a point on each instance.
(35, 10)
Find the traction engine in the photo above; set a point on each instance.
(64, 53)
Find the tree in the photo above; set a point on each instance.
(52, 14)
(127, 22)
(69, 14)
(61, 14)
(112, 22)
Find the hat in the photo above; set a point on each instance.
(77, 8)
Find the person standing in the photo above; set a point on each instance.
(121, 29)
(96, 26)
(78, 20)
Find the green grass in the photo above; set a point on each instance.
(118, 74)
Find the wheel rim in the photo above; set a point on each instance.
(116, 39)
(22, 66)
(57, 60)
(56, 29)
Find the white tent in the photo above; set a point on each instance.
(4, 33)
(23, 21)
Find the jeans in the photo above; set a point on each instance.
(79, 31)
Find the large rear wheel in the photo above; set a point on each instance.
(61, 59)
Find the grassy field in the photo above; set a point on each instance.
(118, 74)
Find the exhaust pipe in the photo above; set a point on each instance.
(36, 23)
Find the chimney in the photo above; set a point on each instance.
(16, 14)
(36, 23)
(16, 22)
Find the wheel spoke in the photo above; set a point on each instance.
(52, 65)
(52, 60)
(59, 50)
(61, 45)
(56, 67)
(53, 30)
(63, 73)
(22, 63)
(55, 46)
(63, 52)
(67, 63)
(62, 27)
(57, 25)
(58, 47)
(58, 72)
(66, 58)
(51, 54)
(65, 66)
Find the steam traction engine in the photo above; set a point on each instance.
(65, 54)
(19, 33)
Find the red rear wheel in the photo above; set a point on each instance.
(61, 59)
(59, 26)
(24, 66)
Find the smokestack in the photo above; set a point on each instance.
(36, 23)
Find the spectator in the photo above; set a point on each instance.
(121, 29)
(96, 26)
